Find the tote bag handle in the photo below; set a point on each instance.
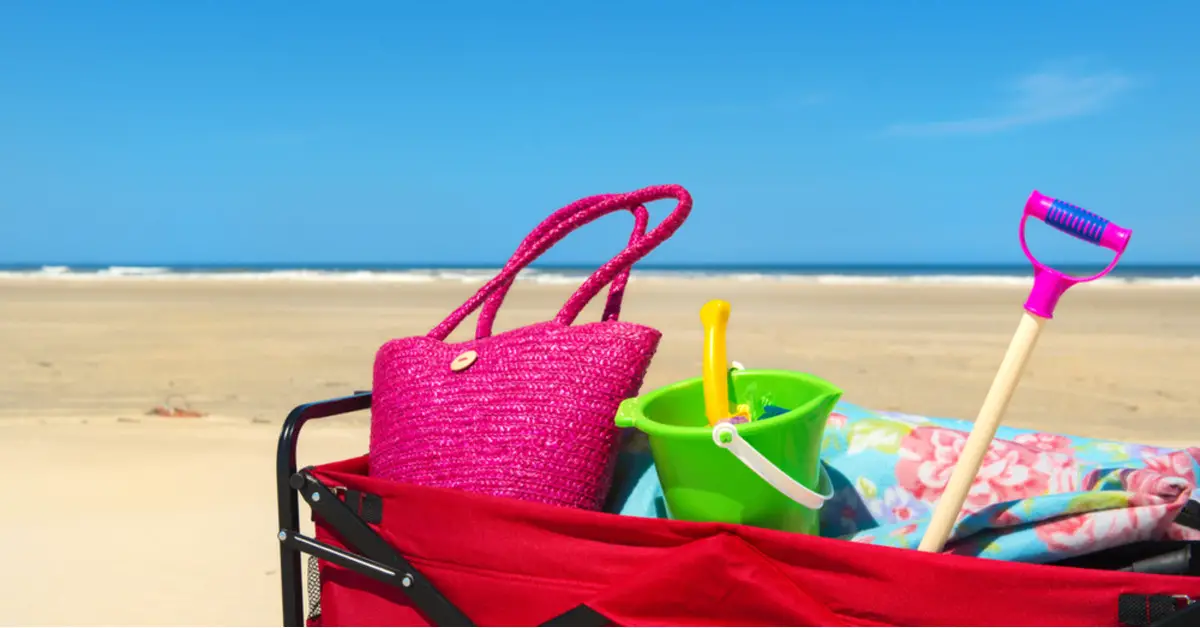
(616, 291)
(583, 212)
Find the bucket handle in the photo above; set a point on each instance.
(726, 436)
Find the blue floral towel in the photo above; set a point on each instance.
(1039, 497)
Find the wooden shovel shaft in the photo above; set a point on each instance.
(950, 504)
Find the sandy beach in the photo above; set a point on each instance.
(139, 519)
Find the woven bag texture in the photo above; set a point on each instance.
(531, 417)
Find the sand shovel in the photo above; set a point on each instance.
(1048, 286)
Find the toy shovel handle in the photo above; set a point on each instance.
(1078, 222)
(1050, 284)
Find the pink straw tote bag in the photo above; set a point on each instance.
(526, 413)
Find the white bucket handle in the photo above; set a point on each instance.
(726, 436)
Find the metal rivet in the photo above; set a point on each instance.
(464, 361)
(407, 580)
(316, 497)
(283, 535)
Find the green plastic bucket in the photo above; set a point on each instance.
(766, 473)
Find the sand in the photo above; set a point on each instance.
(144, 520)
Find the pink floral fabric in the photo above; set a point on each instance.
(1038, 496)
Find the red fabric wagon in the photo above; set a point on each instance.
(389, 553)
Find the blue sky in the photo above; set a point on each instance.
(406, 132)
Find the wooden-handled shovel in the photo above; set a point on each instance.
(1048, 286)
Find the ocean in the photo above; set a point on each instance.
(1167, 275)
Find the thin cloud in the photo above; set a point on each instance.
(1034, 99)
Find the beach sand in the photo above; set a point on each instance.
(129, 518)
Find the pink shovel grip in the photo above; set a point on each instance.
(1050, 284)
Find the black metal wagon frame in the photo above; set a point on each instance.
(377, 559)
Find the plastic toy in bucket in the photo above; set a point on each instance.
(766, 472)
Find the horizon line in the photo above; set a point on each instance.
(365, 265)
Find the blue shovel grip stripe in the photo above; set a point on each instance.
(1076, 220)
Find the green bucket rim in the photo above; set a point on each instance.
(629, 413)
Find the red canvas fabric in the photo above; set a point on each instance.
(508, 562)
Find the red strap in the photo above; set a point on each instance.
(580, 213)
(720, 580)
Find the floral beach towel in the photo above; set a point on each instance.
(1039, 497)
